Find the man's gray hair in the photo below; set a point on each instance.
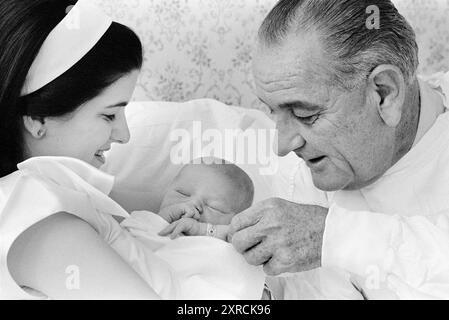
(353, 48)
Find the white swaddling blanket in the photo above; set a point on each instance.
(206, 268)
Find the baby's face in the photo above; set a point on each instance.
(212, 192)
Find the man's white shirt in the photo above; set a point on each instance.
(390, 239)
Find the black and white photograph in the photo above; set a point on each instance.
(234, 153)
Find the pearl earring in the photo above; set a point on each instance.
(40, 133)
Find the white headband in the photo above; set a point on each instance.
(67, 44)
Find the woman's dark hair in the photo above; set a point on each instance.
(24, 26)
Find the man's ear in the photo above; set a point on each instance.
(35, 127)
(388, 85)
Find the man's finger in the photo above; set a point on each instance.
(273, 267)
(246, 239)
(245, 219)
(260, 254)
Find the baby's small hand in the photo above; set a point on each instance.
(185, 226)
(180, 210)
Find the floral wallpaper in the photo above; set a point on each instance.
(202, 48)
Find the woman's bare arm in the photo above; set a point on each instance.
(65, 258)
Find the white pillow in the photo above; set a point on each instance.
(144, 167)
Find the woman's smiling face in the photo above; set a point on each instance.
(89, 130)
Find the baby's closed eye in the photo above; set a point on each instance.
(183, 193)
(216, 208)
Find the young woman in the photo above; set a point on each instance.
(65, 80)
(64, 83)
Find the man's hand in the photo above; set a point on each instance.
(184, 226)
(282, 235)
(180, 210)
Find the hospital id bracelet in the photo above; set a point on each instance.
(211, 230)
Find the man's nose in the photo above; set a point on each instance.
(289, 137)
(120, 133)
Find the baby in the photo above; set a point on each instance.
(201, 201)
(204, 197)
(207, 193)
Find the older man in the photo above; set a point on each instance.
(371, 193)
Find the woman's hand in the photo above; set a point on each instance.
(180, 210)
(184, 226)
